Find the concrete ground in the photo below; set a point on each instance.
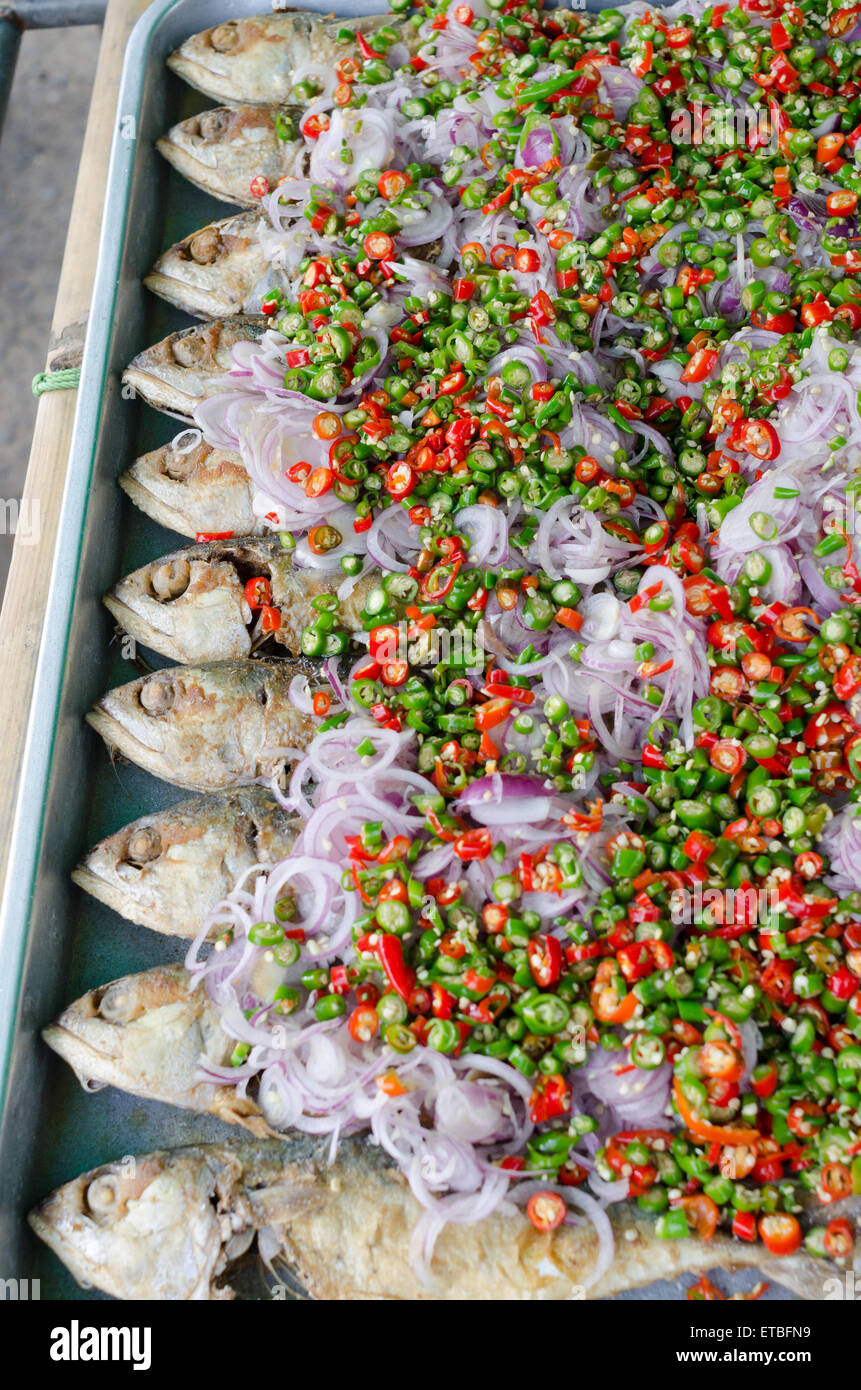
(39, 151)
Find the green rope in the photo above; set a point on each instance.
(65, 380)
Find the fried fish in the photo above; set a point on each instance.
(186, 367)
(226, 267)
(193, 605)
(255, 59)
(217, 271)
(148, 1034)
(169, 869)
(208, 728)
(226, 148)
(196, 491)
(171, 1224)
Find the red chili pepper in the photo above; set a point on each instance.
(643, 597)
(258, 593)
(313, 126)
(394, 672)
(270, 619)
(473, 844)
(744, 1225)
(544, 954)
(758, 437)
(365, 48)
(399, 975)
(848, 679)
(339, 980)
(439, 581)
(463, 290)
(383, 642)
(701, 364)
(644, 63)
(541, 309)
(442, 1002)
(363, 1023)
(400, 480)
(653, 757)
(550, 1098)
(500, 200)
(766, 1084)
(698, 846)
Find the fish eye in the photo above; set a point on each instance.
(170, 579)
(224, 37)
(211, 124)
(156, 695)
(102, 1195)
(143, 846)
(116, 1004)
(181, 466)
(189, 349)
(204, 246)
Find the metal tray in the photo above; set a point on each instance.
(55, 941)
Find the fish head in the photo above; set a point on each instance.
(216, 271)
(196, 604)
(210, 727)
(159, 721)
(124, 869)
(150, 1034)
(169, 869)
(154, 871)
(255, 59)
(146, 1033)
(185, 368)
(223, 150)
(194, 490)
(239, 60)
(145, 710)
(155, 1227)
(189, 606)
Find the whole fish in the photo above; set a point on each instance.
(217, 271)
(255, 59)
(193, 605)
(169, 869)
(197, 491)
(223, 149)
(179, 372)
(148, 1034)
(208, 728)
(171, 1225)
(226, 268)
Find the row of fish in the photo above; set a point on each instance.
(225, 725)
(175, 1225)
